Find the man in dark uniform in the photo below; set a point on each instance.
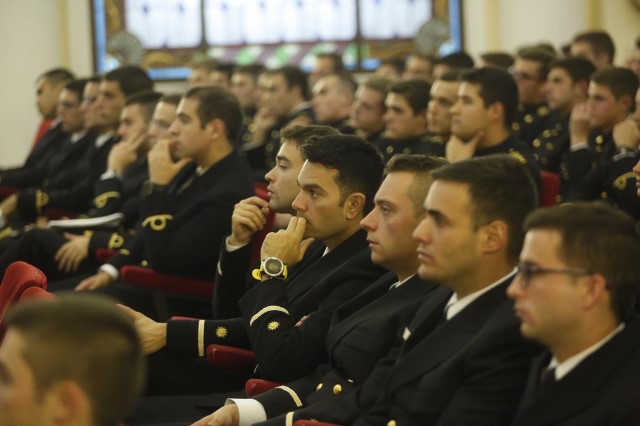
(244, 86)
(332, 99)
(578, 278)
(482, 119)
(593, 162)
(530, 73)
(443, 94)
(368, 108)
(406, 120)
(284, 95)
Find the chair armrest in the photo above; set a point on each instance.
(146, 277)
(255, 387)
(231, 358)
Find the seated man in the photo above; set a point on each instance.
(577, 280)
(185, 207)
(73, 361)
(332, 96)
(368, 108)
(482, 118)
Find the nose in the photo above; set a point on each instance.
(455, 108)
(422, 231)
(514, 290)
(269, 176)
(636, 169)
(368, 222)
(298, 203)
(174, 129)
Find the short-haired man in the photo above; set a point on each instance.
(391, 68)
(530, 73)
(482, 119)
(443, 95)
(406, 120)
(567, 86)
(337, 182)
(221, 76)
(73, 361)
(418, 67)
(325, 63)
(596, 46)
(595, 161)
(368, 108)
(456, 61)
(49, 85)
(70, 122)
(332, 96)
(463, 360)
(199, 75)
(284, 95)
(363, 330)
(188, 205)
(574, 294)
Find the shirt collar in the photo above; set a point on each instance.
(455, 306)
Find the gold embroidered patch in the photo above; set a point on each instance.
(157, 222)
(273, 325)
(101, 200)
(222, 332)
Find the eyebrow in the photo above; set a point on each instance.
(282, 158)
(311, 186)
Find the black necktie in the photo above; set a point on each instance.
(547, 377)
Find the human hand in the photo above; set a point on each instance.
(99, 280)
(626, 134)
(227, 415)
(72, 253)
(162, 168)
(153, 335)
(579, 123)
(459, 150)
(9, 205)
(287, 244)
(249, 216)
(125, 152)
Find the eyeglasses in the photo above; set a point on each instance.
(526, 271)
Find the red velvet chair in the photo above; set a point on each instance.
(255, 387)
(231, 358)
(18, 277)
(184, 286)
(550, 189)
(33, 293)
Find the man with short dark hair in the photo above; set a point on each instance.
(326, 63)
(187, 202)
(482, 118)
(72, 361)
(443, 95)
(574, 293)
(453, 62)
(368, 108)
(596, 46)
(49, 85)
(284, 95)
(331, 101)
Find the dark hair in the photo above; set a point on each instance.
(225, 68)
(345, 81)
(601, 239)
(294, 77)
(88, 340)
(421, 166)
(498, 59)
(579, 69)
(57, 76)
(336, 58)
(621, 82)
(130, 79)
(415, 92)
(456, 60)
(171, 98)
(217, 103)
(500, 188)
(600, 42)
(76, 86)
(358, 163)
(299, 134)
(379, 84)
(94, 79)
(396, 62)
(496, 85)
(147, 102)
(536, 54)
(451, 76)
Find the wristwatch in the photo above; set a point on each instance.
(272, 267)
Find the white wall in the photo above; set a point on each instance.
(36, 35)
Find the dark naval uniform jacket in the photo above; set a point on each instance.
(363, 330)
(530, 121)
(600, 390)
(426, 144)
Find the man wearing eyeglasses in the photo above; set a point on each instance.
(578, 278)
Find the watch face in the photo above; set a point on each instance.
(273, 266)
